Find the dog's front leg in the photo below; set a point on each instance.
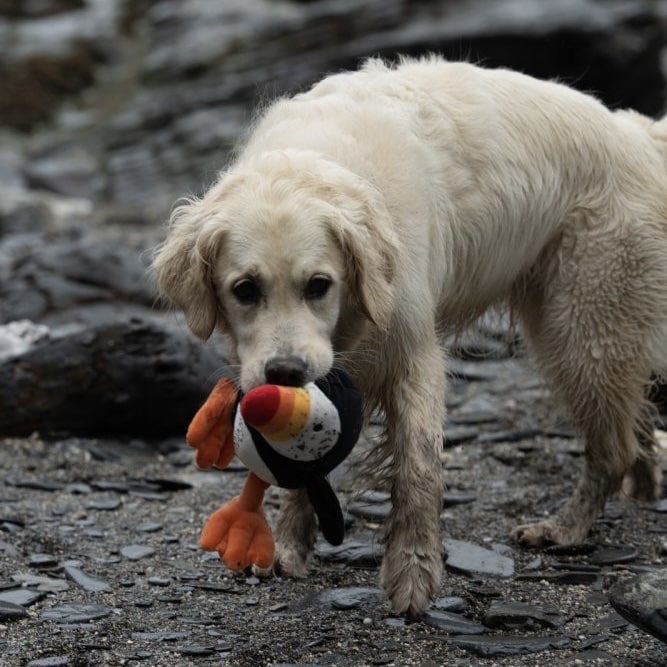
(412, 564)
(296, 530)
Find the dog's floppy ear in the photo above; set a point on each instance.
(182, 267)
(364, 230)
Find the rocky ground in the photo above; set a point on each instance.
(101, 566)
(113, 109)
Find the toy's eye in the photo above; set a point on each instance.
(317, 287)
(247, 291)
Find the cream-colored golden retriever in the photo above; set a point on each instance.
(367, 217)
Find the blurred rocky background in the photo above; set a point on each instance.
(112, 109)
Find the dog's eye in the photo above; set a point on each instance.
(317, 287)
(246, 291)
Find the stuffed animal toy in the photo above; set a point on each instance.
(291, 437)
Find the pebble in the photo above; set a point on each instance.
(104, 504)
(136, 551)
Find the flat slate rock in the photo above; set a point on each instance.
(75, 612)
(643, 601)
(10, 611)
(510, 614)
(20, 596)
(452, 623)
(352, 552)
(353, 597)
(84, 580)
(473, 559)
(502, 646)
(136, 551)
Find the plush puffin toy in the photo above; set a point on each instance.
(290, 437)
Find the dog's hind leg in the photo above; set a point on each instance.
(644, 479)
(590, 323)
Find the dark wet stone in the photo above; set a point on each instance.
(510, 436)
(21, 596)
(163, 636)
(52, 661)
(642, 600)
(10, 611)
(614, 554)
(197, 650)
(660, 506)
(74, 612)
(84, 580)
(104, 504)
(44, 584)
(502, 646)
(452, 603)
(137, 551)
(472, 559)
(36, 484)
(78, 489)
(484, 590)
(451, 623)
(567, 577)
(457, 435)
(110, 485)
(158, 581)
(352, 552)
(149, 527)
(451, 499)
(148, 494)
(6, 547)
(575, 567)
(168, 484)
(585, 548)
(339, 598)
(370, 511)
(520, 614)
(45, 561)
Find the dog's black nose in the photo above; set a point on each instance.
(288, 371)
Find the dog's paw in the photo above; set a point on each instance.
(545, 533)
(411, 580)
(290, 562)
(644, 481)
(287, 562)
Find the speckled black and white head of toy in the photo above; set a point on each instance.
(293, 437)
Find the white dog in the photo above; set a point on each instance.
(367, 217)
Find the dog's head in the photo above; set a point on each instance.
(285, 255)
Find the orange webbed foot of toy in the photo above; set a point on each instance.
(211, 430)
(239, 532)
